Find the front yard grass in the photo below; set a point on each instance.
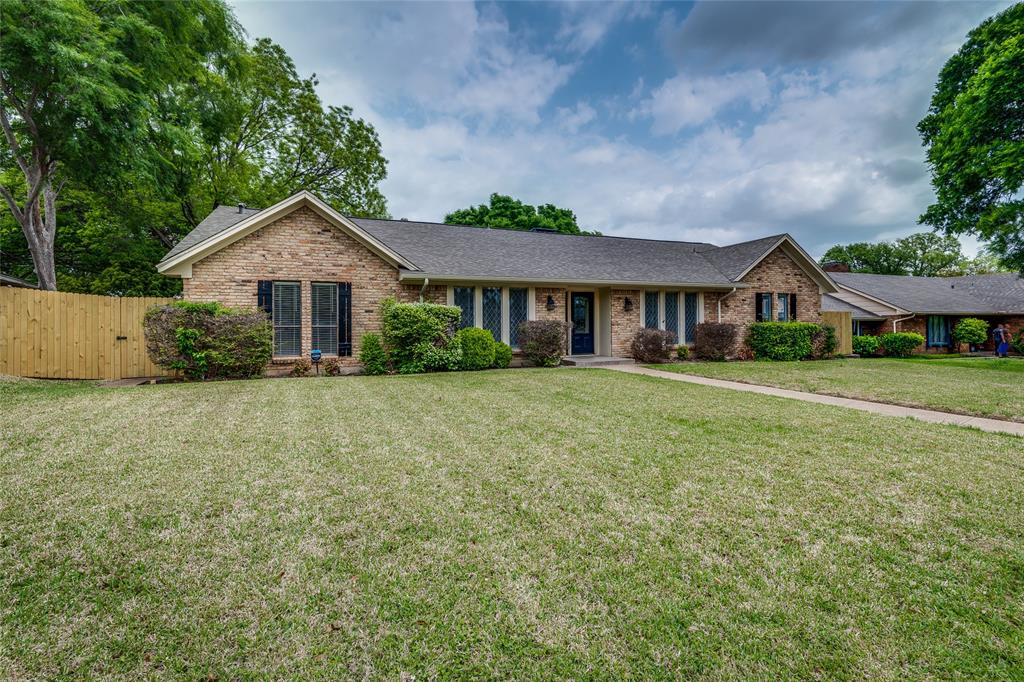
(987, 387)
(528, 524)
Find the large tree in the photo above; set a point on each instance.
(924, 254)
(76, 81)
(974, 134)
(512, 214)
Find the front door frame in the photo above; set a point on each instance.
(590, 347)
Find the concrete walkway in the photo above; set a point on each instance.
(992, 425)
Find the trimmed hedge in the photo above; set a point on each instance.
(865, 345)
(824, 342)
(477, 348)
(543, 341)
(900, 344)
(971, 330)
(781, 340)
(418, 337)
(502, 355)
(714, 340)
(209, 340)
(652, 345)
(372, 355)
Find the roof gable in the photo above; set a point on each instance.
(226, 227)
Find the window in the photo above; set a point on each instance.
(492, 311)
(783, 307)
(672, 312)
(325, 317)
(692, 315)
(287, 318)
(763, 307)
(938, 331)
(651, 309)
(857, 330)
(518, 310)
(464, 299)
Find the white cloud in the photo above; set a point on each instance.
(572, 119)
(683, 101)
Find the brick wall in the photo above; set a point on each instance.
(625, 325)
(541, 301)
(434, 293)
(919, 325)
(776, 274)
(302, 247)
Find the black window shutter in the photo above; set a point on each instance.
(265, 296)
(792, 306)
(757, 307)
(344, 319)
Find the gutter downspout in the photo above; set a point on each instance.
(722, 298)
(895, 322)
(426, 281)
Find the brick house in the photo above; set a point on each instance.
(930, 306)
(321, 277)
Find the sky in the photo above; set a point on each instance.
(714, 121)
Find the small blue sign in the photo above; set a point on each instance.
(315, 355)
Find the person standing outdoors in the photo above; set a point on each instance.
(1002, 338)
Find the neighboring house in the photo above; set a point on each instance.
(12, 281)
(321, 277)
(930, 306)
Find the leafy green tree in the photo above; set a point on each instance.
(974, 134)
(511, 214)
(76, 78)
(924, 254)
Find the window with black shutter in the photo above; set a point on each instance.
(265, 296)
(792, 306)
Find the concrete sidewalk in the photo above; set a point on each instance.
(982, 423)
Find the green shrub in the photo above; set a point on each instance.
(783, 340)
(441, 357)
(372, 355)
(900, 344)
(417, 336)
(824, 342)
(682, 352)
(971, 330)
(301, 368)
(543, 342)
(1018, 343)
(209, 340)
(714, 340)
(477, 348)
(652, 345)
(502, 355)
(865, 345)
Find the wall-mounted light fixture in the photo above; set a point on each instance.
(628, 305)
(551, 302)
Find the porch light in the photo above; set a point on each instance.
(628, 305)
(551, 302)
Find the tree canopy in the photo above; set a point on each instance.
(512, 214)
(924, 254)
(974, 135)
(134, 120)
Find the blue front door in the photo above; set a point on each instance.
(582, 323)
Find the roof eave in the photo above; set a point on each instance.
(449, 278)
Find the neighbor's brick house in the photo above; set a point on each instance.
(321, 277)
(929, 306)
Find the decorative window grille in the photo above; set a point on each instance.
(518, 310)
(287, 317)
(325, 317)
(492, 311)
(464, 299)
(672, 312)
(691, 312)
(651, 309)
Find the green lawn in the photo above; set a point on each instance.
(528, 524)
(988, 387)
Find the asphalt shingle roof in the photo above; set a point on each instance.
(980, 294)
(220, 219)
(733, 259)
(831, 304)
(472, 252)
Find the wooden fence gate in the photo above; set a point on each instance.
(843, 322)
(56, 335)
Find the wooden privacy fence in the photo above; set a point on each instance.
(843, 322)
(57, 335)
